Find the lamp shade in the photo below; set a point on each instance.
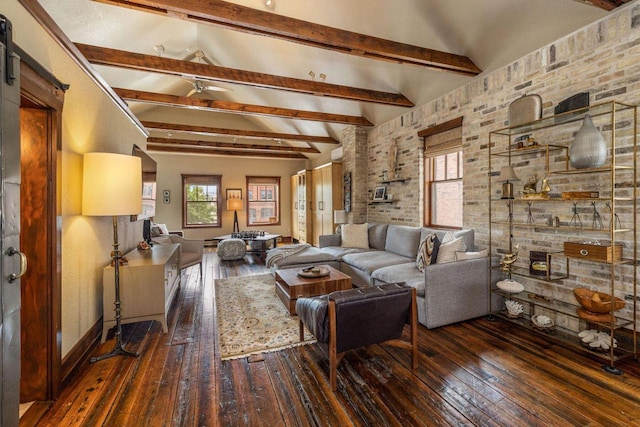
(234, 204)
(111, 184)
(507, 174)
(340, 217)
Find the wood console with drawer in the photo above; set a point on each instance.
(148, 284)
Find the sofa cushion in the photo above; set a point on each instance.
(427, 251)
(377, 236)
(355, 236)
(406, 273)
(370, 261)
(472, 255)
(447, 251)
(403, 240)
(338, 252)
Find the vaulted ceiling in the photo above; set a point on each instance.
(283, 78)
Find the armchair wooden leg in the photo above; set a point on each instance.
(414, 330)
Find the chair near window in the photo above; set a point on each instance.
(346, 320)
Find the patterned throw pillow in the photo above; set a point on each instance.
(447, 252)
(427, 252)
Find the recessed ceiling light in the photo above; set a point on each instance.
(159, 49)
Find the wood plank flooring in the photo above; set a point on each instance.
(473, 373)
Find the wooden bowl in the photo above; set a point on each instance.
(597, 302)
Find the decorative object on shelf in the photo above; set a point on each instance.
(530, 190)
(597, 302)
(530, 219)
(511, 286)
(615, 222)
(378, 193)
(575, 221)
(514, 308)
(393, 158)
(112, 186)
(339, 218)
(542, 322)
(508, 259)
(507, 176)
(594, 251)
(568, 195)
(597, 220)
(525, 141)
(589, 149)
(538, 265)
(597, 340)
(526, 109)
(579, 100)
(144, 246)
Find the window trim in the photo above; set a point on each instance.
(278, 181)
(185, 182)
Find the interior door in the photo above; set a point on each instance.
(13, 263)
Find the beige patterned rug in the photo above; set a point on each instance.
(252, 319)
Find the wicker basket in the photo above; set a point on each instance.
(597, 304)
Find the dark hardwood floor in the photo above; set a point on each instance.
(472, 373)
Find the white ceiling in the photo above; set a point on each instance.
(491, 33)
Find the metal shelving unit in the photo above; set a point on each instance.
(617, 179)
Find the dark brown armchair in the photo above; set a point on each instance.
(346, 320)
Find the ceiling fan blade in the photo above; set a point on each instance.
(217, 89)
(191, 92)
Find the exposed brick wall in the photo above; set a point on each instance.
(601, 59)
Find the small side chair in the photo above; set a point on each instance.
(345, 320)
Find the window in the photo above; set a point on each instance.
(443, 176)
(263, 200)
(201, 201)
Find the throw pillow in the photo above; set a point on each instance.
(472, 255)
(447, 251)
(355, 236)
(447, 238)
(427, 251)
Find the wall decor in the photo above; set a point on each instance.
(347, 191)
(378, 193)
(234, 193)
(589, 149)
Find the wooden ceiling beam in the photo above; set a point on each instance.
(236, 108)
(224, 152)
(607, 5)
(205, 130)
(253, 21)
(156, 64)
(240, 146)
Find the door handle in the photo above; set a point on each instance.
(11, 251)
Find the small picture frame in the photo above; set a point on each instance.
(378, 193)
(234, 193)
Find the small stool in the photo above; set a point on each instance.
(232, 249)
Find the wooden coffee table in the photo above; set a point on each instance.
(290, 286)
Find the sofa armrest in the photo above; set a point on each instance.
(329, 240)
(456, 291)
(189, 245)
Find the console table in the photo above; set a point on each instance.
(148, 284)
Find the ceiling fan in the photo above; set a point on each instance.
(200, 86)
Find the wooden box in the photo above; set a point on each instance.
(568, 195)
(592, 252)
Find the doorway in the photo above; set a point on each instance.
(40, 140)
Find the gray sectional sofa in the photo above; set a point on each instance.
(447, 293)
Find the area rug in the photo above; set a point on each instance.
(252, 319)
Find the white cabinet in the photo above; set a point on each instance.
(148, 284)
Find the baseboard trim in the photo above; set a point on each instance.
(81, 352)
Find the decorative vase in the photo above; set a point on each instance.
(589, 149)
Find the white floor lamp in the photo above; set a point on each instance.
(112, 186)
